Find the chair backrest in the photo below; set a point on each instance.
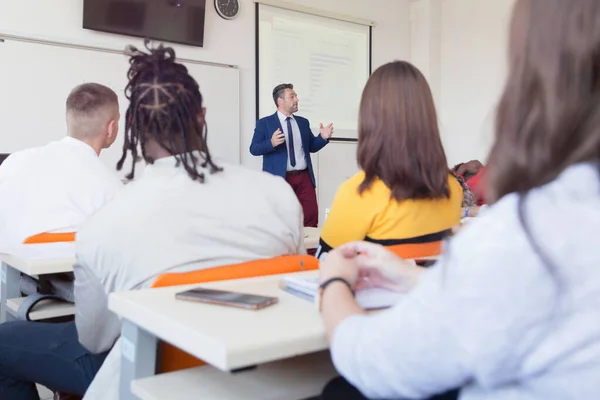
(48, 237)
(410, 251)
(174, 359)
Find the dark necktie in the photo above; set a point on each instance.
(291, 140)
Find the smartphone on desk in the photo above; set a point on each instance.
(226, 298)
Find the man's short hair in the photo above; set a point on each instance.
(89, 107)
(279, 91)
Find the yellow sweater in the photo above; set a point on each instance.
(374, 216)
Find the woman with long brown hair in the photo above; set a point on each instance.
(512, 310)
(404, 196)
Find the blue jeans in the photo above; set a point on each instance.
(44, 353)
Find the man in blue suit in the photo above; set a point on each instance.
(285, 141)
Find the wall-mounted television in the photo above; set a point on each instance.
(177, 21)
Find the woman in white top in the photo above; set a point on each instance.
(512, 309)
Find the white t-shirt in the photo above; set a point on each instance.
(167, 222)
(51, 188)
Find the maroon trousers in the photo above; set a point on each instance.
(302, 184)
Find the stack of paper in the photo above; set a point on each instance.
(369, 299)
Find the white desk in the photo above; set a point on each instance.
(294, 378)
(226, 338)
(35, 266)
(311, 237)
(10, 294)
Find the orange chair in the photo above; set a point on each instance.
(417, 250)
(174, 359)
(48, 237)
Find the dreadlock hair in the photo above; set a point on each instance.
(164, 104)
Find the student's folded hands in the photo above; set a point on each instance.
(364, 264)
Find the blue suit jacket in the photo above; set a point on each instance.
(275, 158)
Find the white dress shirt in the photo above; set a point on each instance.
(51, 188)
(490, 316)
(166, 222)
(298, 149)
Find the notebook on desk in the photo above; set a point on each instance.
(370, 298)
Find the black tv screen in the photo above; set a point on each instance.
(177, 21)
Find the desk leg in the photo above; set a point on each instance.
(10, 288)
(138, 357)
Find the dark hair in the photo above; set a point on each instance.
(466, 175)
(398, 136)
(549, 114)
(165, 103)
(279, 91)
(89, 97)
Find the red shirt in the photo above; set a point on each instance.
(477, 185)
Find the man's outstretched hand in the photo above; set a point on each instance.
(326, 131)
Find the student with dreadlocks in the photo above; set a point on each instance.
(185, 213)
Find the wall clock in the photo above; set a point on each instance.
(227, 9)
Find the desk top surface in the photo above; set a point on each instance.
(38, 266)
(42, 266)
(226, 337)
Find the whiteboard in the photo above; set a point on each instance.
(36, 78)
(327, 61)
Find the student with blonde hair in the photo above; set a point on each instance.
(59, 185)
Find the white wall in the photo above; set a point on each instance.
(230, 42)
(460, 45)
